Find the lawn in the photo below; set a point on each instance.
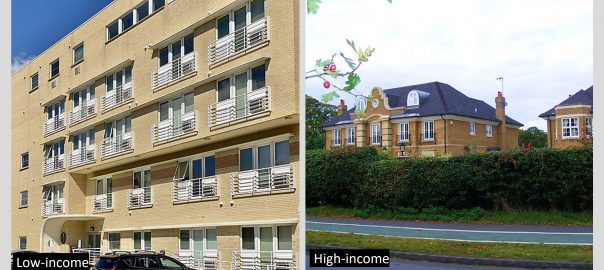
(454, 248)
(475, 215)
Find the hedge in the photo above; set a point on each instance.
(539, 179)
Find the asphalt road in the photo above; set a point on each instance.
(568, 235)
(416, 265)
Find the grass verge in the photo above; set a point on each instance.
(475, 215)
(538, 252)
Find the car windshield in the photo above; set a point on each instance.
(105, 263)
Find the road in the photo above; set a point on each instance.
(542, 234)
(416, 265)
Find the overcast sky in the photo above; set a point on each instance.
(542, 48)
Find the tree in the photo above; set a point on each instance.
(533, 135)
(317, 113)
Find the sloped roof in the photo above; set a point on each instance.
(582, 97)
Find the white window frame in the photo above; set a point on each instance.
(231, 14)
(376, 134)
(81, 45)
(22, 195)
(55, 109)
(114, 79)
(189, 170)
(54, 191)
(204, 246)
(135, 18)
(115, 130)
(50, 151)
(232, 86)
(350, 136)
(84, 96)
(171, 104)
(182, 49)
(589, 127)
(472, 128)
(84, 140)
(31, 81)
(428, 131)
(255, 153)
(119, 241)
(404, 132)
(22, 155)
(568, 121)
(274, 229)
(106, 184)
(143, 247)
(22, 243)
(58, 68)
(336, 136)
(413, 99)
(489, 130)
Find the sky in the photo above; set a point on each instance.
(38, 24)
(542, 48)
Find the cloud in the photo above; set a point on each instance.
(543, 49)
(19, 61)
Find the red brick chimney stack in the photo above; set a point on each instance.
(342, 108)
(500, 112)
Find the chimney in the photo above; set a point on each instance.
(500, 113)
(342, 108)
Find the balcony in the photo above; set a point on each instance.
(174, 71)
(102, 203)
(55, 124)
(53, 165)
(82, 156)
(53, 207)
(139, 198)
(239, 108)
(263, 260)
(175, 128)
(121, 95)
(200, 260)
(83, 112)
(194, 190)
(93, 254)
(262, 181)
(239, 41)
(118, 145)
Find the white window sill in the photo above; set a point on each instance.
(489, 136)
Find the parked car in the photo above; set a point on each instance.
(138, 260)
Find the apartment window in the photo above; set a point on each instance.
(472, 129)
(54, 150)
(336, 136)
(350, 136)
(239, 19)
(127, 21)
(157, 4)
(142, 11)
(489, 130)
(266, 238)
(133, 17)
(118, 128)
(104, 186)
(588, 127)
(176, 107)
(428, 131)
(23, 197)
(376, 137)
(25, 160)
(570, 128)
(114, 241)
(403, 132)
(241, 84)
(176, 50)
(78, 53)
(52, 192)
(55, 110)
(142, 240)
(116, 80)
(34, 81)
(196, 168)
(264, 156)
(22, 242)
(54, 68)
(193, 240)
(413, 99)
(83, 97)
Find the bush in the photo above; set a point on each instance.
(540, 179)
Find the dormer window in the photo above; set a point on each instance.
(413, 99)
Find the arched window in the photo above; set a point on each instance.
(413, 99)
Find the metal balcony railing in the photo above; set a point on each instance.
(195, 189)
(239, 41)
(139, 197)
(260, 260)
(54, 124)
(81, 113)
(93, 254)
(82, 156)
(199, 260)
(174, 128)
(239, 107)
(174, 70)
(266, 180)
(53, 164)
(119, 96)
(117, 145)
(102, 202)
(53, 207)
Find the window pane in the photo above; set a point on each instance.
(109, 83)
(158, 4)
(257, 9)
(137, 240)
(99, 186)
(54, 68)
(76, 142)
(127, 74)
(196, 168)
(91, 137)
(246, 162)
(284, 235)
(76, 99)
(112, 30)
(176, 49)
(282, 153)
(147, 178)
(258, 77)
(188, 43)
(137, 183)
(247, 239)
(224, 89)
(128, 124)
(210, 164)
(182, 170)
(266, 239)
(163, 56)
(142, 11)
(189, 102)
(147, 236)
(222, 26)
(211, 239)
(34, 81)
(185, 240)
(164, 111)
(109, 187)
(264, 157)
(78, 53)
(127, 21)
(91, 92)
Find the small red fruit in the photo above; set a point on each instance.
(332, 68)
(326, 84)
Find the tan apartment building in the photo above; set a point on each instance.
(570, 122)
(163, 125)
(425, 119)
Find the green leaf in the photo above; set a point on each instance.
(349, 61)
(321, 63)
(312, 6)
(352, 82)
(351, 44)
(329, 96)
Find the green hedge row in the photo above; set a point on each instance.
(524, 180)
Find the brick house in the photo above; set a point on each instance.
(570, 122)
(424, 119)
